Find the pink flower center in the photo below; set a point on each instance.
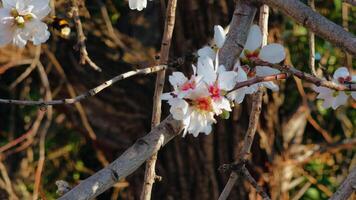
(342, 80)
(188, 85)
(214, 92)
(203, 104)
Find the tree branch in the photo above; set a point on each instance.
(150, 174)
(317, 23)
(347, 187)
(127, 163)
(89, 93)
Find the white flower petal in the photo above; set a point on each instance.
(9, 3)
(353, 94)
(254, 38)
(206, 51)
(266, 71)
(137, 4)
(177, 79)
(341, 72)
(40, 7)
(219, 36)
(252, 88)
(20, 38)
(206, 70)
(166, 96)
(179, 108)
(227, 80)
(237, 95)
(270, 85)
(272, 53)
(328, 102)
(37, 31)
(339, 100)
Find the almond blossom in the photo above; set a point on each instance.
(196, 101)
(272, 53)
(20, 21)
(333, 98)
(218, 82)
(218, 42)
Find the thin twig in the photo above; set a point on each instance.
(253, 182)
(7, 182)
(89, 93)
(308, 77)
(150, 174)
(84, 56)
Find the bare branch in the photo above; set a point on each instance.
(347, 187)
(127, 163)
(150, 174)
(89, 93)
(317, 23)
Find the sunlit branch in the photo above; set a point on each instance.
(89, 93)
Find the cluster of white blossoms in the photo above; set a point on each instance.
(334, 98)
(20, 21)
(209, 92)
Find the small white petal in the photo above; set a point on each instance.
(206, 51)
(177, 79)
(272, 53)
(219, 36)
(266, 71)
(179, 108)
(353, 78)
(137, 4)
(37, 31)
(252, 88)
(341, 72)
(9, 3)
(270, 85)
(206, 70)
(328, 102)
(237, 95)
(340, 99)
(227, 80)
(254, 38)
(166, 96)
(353, 94)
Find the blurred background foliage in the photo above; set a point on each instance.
(301, 151)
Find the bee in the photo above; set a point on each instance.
(62, 25)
